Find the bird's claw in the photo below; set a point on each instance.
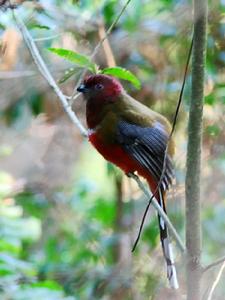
(131, 175)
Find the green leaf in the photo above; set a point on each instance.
(50, 284)
(122, 74)
(151, 234)
(38, 26)
(74, 57)
(210, 99)
(2, 27)
(109, 11)
(213, 130)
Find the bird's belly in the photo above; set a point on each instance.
(114, 153)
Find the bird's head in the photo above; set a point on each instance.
(101, 87)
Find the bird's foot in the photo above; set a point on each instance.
(132, 175)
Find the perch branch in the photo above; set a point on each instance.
(46, 73)
(160, 211)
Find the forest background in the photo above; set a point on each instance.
(68, 219)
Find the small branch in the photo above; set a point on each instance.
(16, 74)
(216, 281)
(109, 30)
(46, 74)
(214, 264)
(160, 211)
(47, 38)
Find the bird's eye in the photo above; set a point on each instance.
(99, 86)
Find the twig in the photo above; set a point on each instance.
(160, 211)
(109, 30)
(214, 264)
(75, 95)
(166, 150)
(46, 74)
(216, 281)
(16, 74)
(47, 38)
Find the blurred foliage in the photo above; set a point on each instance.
(68, 219)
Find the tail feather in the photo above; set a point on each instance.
(166, 246)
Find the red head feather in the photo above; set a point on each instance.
(101, 86)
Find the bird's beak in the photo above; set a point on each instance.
(82, 88)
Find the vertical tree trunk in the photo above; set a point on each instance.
(193, 164)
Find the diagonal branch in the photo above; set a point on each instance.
(215, 283)
(156, 205)
(38, 60)
(109, 30)
(214, 264)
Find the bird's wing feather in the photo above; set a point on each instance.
(147, 146)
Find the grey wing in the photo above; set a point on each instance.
(147, 146)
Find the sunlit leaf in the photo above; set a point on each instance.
(38, 26)
(52, 285)
(74, 57)
(123, 74)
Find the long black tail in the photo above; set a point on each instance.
(166, 246)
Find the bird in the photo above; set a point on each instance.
(133, 137)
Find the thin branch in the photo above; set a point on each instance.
(166, 150)
(160, 211)
(46, 74)
(214, 264)
(16, 74)
(109, 29)
(47, 38)
(216, 281)
(75, 95)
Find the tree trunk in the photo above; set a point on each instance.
(193, 164)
